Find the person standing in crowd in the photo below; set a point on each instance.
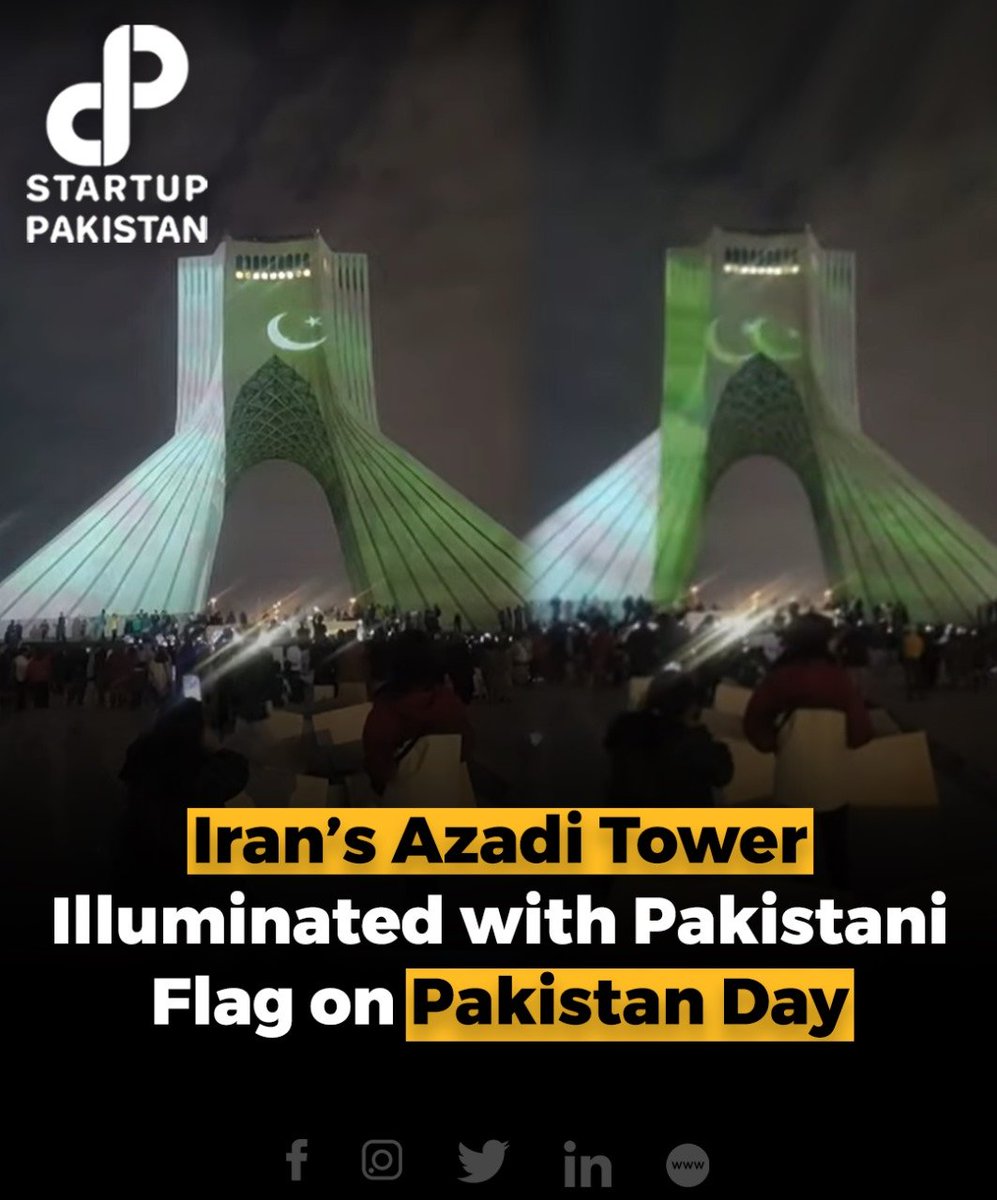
(252, 688)
(160, 674)
(643, 649)
(496, 669)
(76, 675)
(806, 676)
(931, 660)
(22, 661)
(539, 654)
(167, 770)
(117, 671)
(39, 677)
(663, 754)
(459, 667)
(293, 658)
(97, 671)
(853, 653)
(414, 702)
(557, 650)
(138, 676)
(602, 649)
(522, 659)
(912, 657)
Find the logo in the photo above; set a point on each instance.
(687, 1165)
(381, 1159)
(586, 1170)
(484, 1163)
(116, 95)
(296, 1156)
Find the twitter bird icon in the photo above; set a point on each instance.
(484, 1163)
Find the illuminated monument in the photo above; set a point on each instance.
(760, 360)
(274, 361)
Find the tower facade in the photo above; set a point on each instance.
(759, 359)
(274, 360)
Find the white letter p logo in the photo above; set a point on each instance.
(116, 95)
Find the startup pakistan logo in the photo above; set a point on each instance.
(115, 97)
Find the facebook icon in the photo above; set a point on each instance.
(296, 1156)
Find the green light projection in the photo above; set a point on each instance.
(785, 386)
(759, 359)
(274, 360)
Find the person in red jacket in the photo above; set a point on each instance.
(415, 701)
(807, 676)
(39, 677)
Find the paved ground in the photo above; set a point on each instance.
(961, 723)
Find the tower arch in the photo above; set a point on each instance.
(274, 360)
(761, 412)
(760, 359)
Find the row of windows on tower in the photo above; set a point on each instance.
(273, 266)
(761, 260)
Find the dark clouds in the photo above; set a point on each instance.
(515, 173)
(872, 122)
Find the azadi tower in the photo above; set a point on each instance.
(760, 360)
(274, 361)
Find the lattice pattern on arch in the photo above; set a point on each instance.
(407, 538)
(276, 415)
(761, 412)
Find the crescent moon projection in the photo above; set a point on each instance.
(718, 352)
(286, 343)
(755, 331)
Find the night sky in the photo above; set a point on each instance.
(515, 172)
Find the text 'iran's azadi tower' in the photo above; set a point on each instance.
(760, 360)
(274, 361)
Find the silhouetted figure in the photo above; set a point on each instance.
(160, 676)
(166, 771)
(458, 665)
(39, 677)
(253, 684)
(912, 648)
(643, 649)
(663, 755)
(76, 675)
(556, 656)
(22, 662)
(931, 662)
(806, 676)
(853, 653)
(414, 702)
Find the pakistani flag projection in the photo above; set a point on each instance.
(274, 361)
(760, 360)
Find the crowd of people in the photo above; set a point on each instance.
(143, 625)
(143, 659)
(206, 673)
